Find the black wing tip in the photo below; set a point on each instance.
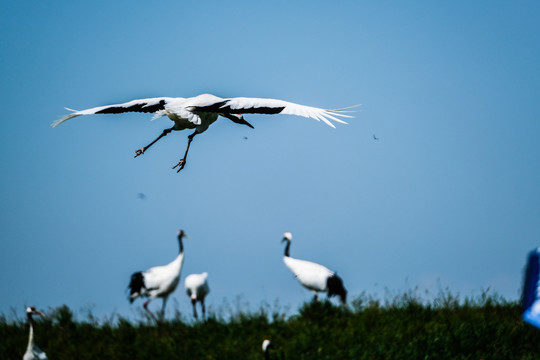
(142, 107)
(224, 107)
(335, 287)
(530, 281)
(136, 284)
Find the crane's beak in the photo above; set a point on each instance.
(40, 313)
(242, 121)
(238, 118)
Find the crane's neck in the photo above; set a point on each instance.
(31, 334)
(287, 247)
(180, 244)
(177, 263)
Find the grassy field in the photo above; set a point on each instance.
(399, 327)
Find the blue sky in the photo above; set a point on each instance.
(448, 196)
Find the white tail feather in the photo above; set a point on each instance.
(346, 109)
(65, 118)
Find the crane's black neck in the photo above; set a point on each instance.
(287, 246)
(30, 318)
(180, 236)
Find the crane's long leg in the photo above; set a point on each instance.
(194, 302)
(203, 310)
(182, 161)
(163, 308)
(145, 305)
(143, 149)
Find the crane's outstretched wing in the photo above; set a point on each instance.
(244, 105)
(149, 105)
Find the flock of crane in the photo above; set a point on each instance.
(199, 113)
(162, 281)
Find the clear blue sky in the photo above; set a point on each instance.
(448, 196)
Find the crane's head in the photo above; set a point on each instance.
(30, 310)
(287, 236)
(181, 235)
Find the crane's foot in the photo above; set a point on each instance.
(139, 152)
(180, 165)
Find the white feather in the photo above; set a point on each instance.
(160, 281)
(197, 285)
(311, 275)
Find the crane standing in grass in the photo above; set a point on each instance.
(197, 288)
(159, 281)
(201, 111)
(313, 276)
(266, 346)
(32, 351)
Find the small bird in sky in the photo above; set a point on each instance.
(375, 138)
(201, 111)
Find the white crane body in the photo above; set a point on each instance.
(158, 281)
(311, 275)
(161, 281)
(197, 288)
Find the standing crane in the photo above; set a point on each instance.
(201, 111)
(266, 346)
(33, 352)
(158, 281)
(197, 288)
(313, 276)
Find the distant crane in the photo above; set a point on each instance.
(201, 111)
(33, 352)
(266, 346)
(530, 297)
(313, 276)
(159, 281)
(197, 288)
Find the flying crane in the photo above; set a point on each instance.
(201, 111)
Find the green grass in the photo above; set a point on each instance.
(403, 326)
